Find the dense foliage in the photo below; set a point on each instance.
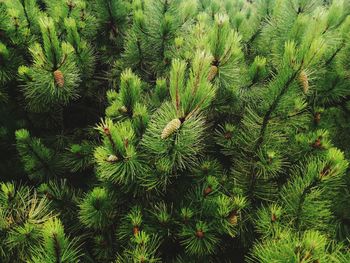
(174, 131)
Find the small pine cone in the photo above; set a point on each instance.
(304, 81)
(207, 191)
(199, 233)
(233, 218)
(170, 128)
(135, 230)
(106, 130)
(212, 72)
(317, 144)
(273, 218)
(59, 78)
(123, 109)
(112, 158)
(228, 135)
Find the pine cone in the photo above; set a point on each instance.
(59, 78)
(233, 218)
(212, 73)
(123, 109)
(112, 158)
(170, 128)
(304, 81)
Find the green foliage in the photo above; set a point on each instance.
(96, 210)
(182, 146)
(117, 159)
(198, 240)
(56, 246)
(311, 246)
(29, 229)
(143, 249)
(174, 131)
(44, 88)
(39, 161)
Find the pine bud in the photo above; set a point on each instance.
(304, 81)
(199, 233)
(170, 128)
(207, 191)
(106, 130)
(212, 72)
(317, 117)
(135, 230)
(126, 143)
(317, 144)
(59, 78)
(228, 135)
(123, 109)
(228, 131)
(273, 218)
(270, 156)
(112, 158)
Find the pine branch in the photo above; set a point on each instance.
(306, 191)
(25, 13)
(271, 109)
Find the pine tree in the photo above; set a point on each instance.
(174, 131)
